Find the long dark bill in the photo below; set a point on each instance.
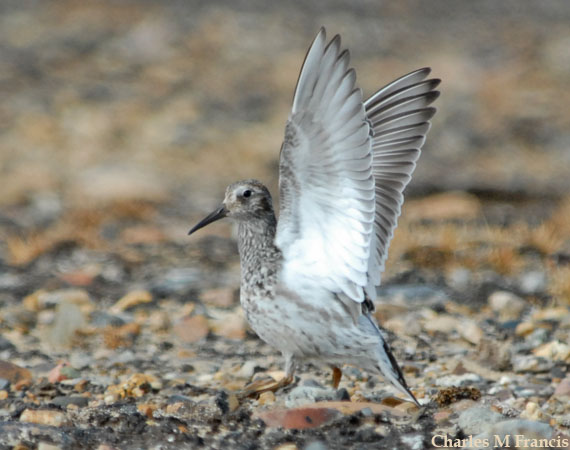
(218, 214)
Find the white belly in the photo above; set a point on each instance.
(307, 322)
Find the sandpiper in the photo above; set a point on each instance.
(308, 281)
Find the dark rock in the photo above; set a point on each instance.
(64, 401)
(178, 398)
(342, 395)
(425, 295)
(102, 319)
(176, 281)
(5, 344)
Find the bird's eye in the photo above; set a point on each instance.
(247, 193)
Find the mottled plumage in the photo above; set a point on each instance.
(309, 281)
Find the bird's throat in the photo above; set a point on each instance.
(256, 243)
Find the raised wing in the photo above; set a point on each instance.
(325, 177)
(399, 115)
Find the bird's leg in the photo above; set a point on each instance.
(258, 387)
(336, 376)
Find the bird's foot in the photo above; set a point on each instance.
(336, 376)
(257, 387)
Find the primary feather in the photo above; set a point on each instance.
(343, 168)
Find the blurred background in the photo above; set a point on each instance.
(121, 123)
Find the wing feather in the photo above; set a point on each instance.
(399, 115)
(343, 167)
(328, 203)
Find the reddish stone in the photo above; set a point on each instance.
(13, 373)
(563, 388)
(192, 329)
(77, 278)
(319, 414)
(299, 418)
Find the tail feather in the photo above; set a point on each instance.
(387, 364)
(395, 374)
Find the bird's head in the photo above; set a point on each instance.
(247, 200)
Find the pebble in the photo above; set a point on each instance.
(82, 277)
(316, 445)
(80, 360)
(42, 299)
(215, 406)
(459, 278)
(45, 417)
(555, 350)
(525, 328)
(68, 319)
(536, 338)
(231, 325)
(64, 401)
(555, 314)
(101, 319)
(136, 386)
(531, 363)
(13, 373)
(443, 323)
(299, 418)
(441, 416)
(413, 441)
(287, 446)
(179, 398)
(493, 354)
(221, 297)
(470, 331)
(4, 383)
(532, 412)
(159, 321)
(458, 380)
(563, 388)
(425, 295)
(122, 357)
(191, 329)
(508, 305)
(478, 419)
(131, 300)
(511, 429)
(247, 369)
(10, 281)
(6, 345)
(48, 446)
(266, 398)
(123, 336)
(533, 282)
(63, 371)
(20, 319)
(176, 281)
(302, 395)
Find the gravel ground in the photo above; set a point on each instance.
(121, 123)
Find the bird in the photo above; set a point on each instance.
(309, 279)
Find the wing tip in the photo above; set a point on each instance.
(316, 50)
(432, 96)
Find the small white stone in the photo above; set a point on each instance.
(414, 441)
(504, 380)
(533, 282)
(457, 380)
(507, 304)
